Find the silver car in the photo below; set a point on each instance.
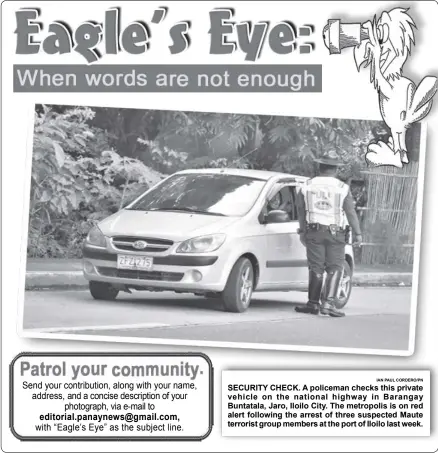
(212, 232)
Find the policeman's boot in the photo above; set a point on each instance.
(314, 293)
(324, 292)
(329, 304)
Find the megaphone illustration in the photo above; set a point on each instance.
(338, 36)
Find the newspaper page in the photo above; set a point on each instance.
(218, 226)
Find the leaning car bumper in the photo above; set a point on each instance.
(185, 273)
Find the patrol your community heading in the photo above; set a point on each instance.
(183, 369)
(92, 38)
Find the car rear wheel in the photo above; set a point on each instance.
(238, 290)
(345, 286)
(103, 291)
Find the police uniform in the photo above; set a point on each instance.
(325, 205)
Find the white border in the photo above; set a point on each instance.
(417, 241)
(32, 333)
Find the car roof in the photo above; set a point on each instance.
(257, 174)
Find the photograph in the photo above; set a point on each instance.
(221, 228)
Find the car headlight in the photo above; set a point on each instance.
(96, 237)
(202, 244)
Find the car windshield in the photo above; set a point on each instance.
(203, 193)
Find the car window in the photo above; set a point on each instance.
(285, 200)
(214, 194)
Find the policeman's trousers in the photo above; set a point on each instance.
(325, 252)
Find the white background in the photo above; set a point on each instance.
(346, 94)
(27, 410)
(348, 426)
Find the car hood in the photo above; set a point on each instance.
(177, 226)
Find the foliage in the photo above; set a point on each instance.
(306, 139)
(164, 159)
(286, 144)
(221, 162)
(74, 183)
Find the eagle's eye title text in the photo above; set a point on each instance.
(91, 39)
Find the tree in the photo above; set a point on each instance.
(75, 182)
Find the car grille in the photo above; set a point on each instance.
(153, 245)
(141, 275)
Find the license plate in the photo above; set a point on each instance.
(134, 262)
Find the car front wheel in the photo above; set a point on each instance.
(102, 291)
(238, 290)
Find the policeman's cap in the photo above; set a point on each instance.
(331, 159)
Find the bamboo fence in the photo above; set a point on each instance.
(388, 220)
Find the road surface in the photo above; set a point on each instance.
(377, 318)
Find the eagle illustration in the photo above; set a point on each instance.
(384, 46)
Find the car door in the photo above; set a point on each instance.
(286, 261)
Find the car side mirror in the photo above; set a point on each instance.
(277, 216)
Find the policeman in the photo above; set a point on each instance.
(323, 204)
